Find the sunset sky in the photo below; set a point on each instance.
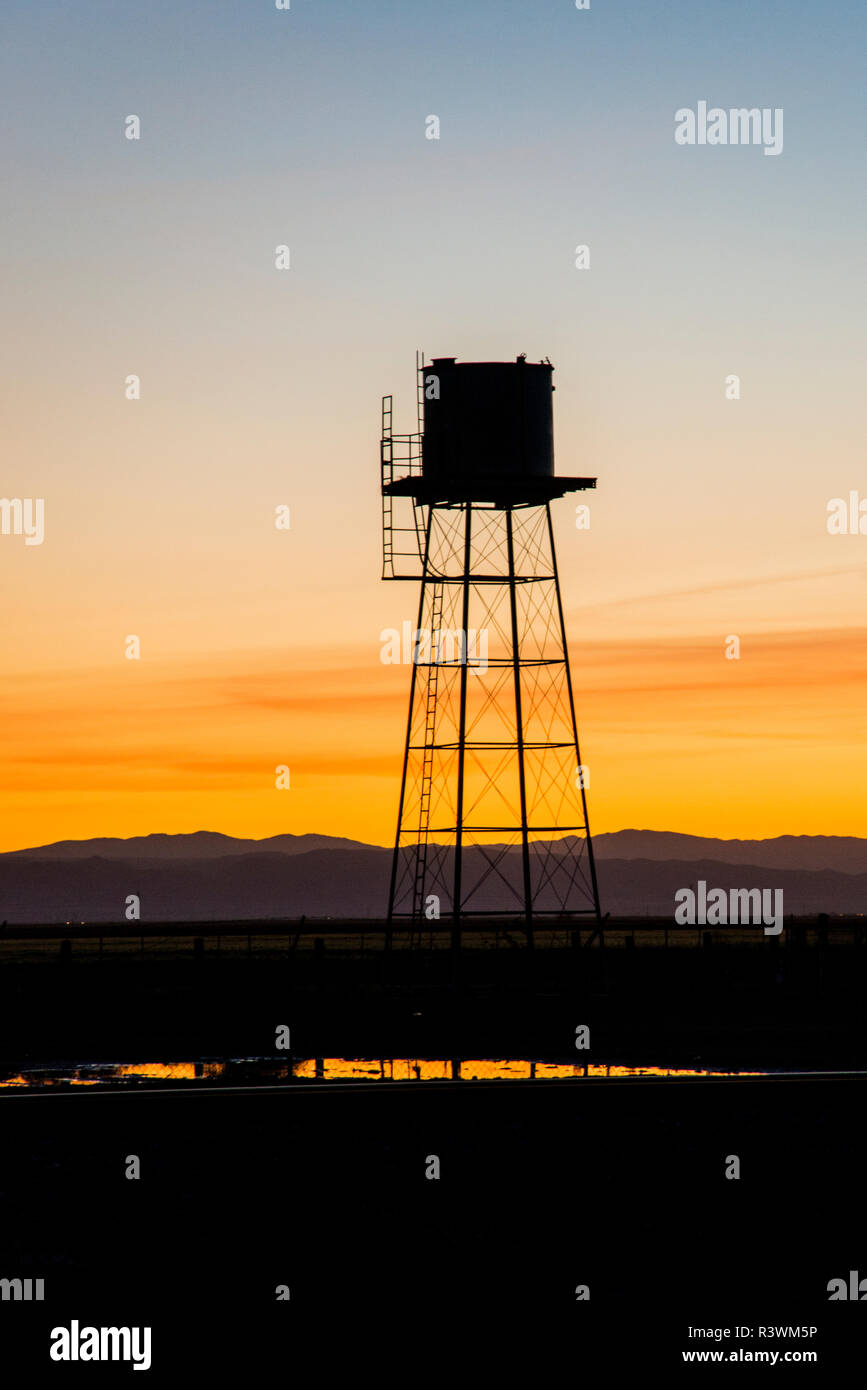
(262, 387)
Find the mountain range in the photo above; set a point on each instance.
(843, 853)
(207, 876)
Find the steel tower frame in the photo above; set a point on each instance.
(492, 814)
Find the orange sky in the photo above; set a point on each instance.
(675, 736)
(261, 387)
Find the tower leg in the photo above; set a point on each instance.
(412, 684)
(590, 859)
(519, 729)
(462, 729)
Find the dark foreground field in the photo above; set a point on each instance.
(544, 1186)
(617, 1185)
(650, 995)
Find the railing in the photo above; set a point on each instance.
(400, 457)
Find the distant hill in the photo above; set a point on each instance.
(843, 853)
(201, 844)
(344, 879)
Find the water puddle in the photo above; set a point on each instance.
(277, 1071)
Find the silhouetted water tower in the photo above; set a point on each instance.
(492, 818)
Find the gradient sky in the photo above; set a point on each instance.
(260, 387)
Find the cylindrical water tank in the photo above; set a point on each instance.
(487, 419)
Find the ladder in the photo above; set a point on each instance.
(436, 616)
(420, 512)
(419, 391)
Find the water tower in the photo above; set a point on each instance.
(492, 819)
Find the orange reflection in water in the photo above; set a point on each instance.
(171, 1071)
(72, 1079)
(98, 1074)
(483, 1069)
(365, 1069)
(271, 1070)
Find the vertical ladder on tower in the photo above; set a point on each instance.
(419, 390)
(436, 617)
(420, 512)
